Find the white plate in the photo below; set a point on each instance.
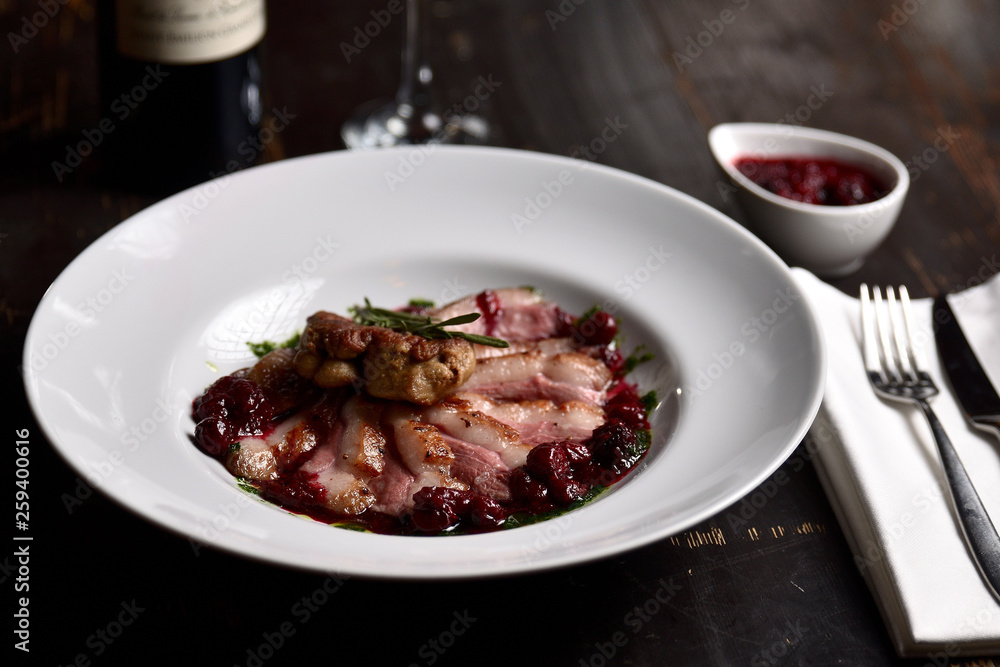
(162, 304)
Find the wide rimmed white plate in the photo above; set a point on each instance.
(162, 304)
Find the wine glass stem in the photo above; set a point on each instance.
(413, 91)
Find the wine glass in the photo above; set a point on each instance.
(411, 118)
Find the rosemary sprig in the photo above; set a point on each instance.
(421, 325)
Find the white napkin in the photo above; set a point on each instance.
(881, 471)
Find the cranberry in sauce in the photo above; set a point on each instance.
(615, 450)
(625, 405)
(437, 509)
(813, 181)
(232, 408)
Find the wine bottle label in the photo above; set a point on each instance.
(186, 32)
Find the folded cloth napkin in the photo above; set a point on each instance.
(881, 471)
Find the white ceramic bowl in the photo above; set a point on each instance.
(830, 241)
(249, 256)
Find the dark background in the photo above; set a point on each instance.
(778, 589)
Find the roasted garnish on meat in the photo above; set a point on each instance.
(337, 352)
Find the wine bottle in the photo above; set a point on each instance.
(180, 89)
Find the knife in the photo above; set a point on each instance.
(976, 395)
(981, 405)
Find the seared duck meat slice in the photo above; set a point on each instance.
(284, 447)
(292, 446)
(309, 429)
(341, 489)
(541, 421)
(310, 444)
(333, 484)
(540, 387)
(549, 346)
(393, 488)
(343, 492)
(567, 376)
(336, 352)
(422, 450)
(362, 444)
(459, 420)
(513, 314)
(578, 370)
(253, 460)
(482, 469)
(567, 367)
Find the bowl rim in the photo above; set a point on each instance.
(860, 146)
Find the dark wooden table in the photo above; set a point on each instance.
(920, 79)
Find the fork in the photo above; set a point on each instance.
(895, 373)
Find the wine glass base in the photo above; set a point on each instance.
(383, 124)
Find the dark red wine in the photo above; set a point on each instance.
(180, 88)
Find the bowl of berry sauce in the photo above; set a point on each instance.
(823, 201)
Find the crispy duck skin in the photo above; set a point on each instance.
(536, 375)
(336, 352)
(422, 450)
(458, 419)
(541, 420)
(362, 443)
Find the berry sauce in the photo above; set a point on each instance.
(813, 181)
